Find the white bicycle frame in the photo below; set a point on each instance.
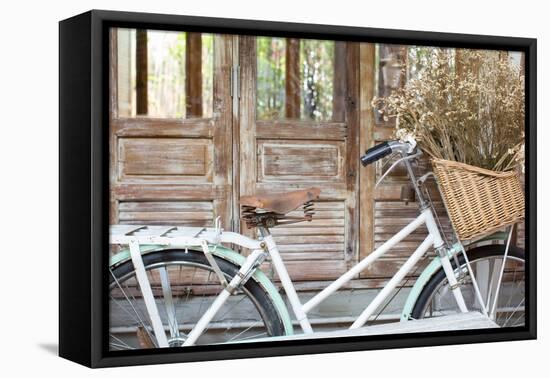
(266, 246)
(432, 240)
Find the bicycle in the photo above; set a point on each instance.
(180, 286)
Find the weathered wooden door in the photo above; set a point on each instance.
(290, 120)
(298, 127)
(170, 127)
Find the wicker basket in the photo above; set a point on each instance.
(479, 201)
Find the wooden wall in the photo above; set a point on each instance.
(188, 171)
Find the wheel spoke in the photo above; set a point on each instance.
(119, 342)
(482, 277)
(508, 302)
(513, 312)
(169, 302)
(511, 296)
(138, 317)
(187, 291)
(491, 293)
(249, 337)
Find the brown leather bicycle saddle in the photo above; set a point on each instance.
(281, 203)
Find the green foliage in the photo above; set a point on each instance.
(317, 74)
(316, 78)
(207, 73)
(167, 74)
(270, 77)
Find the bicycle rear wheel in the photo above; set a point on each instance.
(436, 299)
(190, 286)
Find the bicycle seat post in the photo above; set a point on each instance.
(264, 231)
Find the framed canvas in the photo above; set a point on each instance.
(234, 188)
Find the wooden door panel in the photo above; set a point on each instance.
(300, 160)
(163, 127)
(174, 170)
(282, 150)
(296, 129)
(177, 160)
(185, 213)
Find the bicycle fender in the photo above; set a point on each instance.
(421, 281)
(233, 257)
(435, 265)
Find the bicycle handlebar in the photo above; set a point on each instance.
(376, 153)
(384, 149)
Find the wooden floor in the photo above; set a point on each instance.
(469, 320)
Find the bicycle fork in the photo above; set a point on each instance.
(445, 259)
(451, 278)
(440, 248)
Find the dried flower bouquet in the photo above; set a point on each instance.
(463, 105)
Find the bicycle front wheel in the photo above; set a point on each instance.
(184, 286)
(436, 299)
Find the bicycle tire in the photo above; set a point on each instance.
(260, 299)
(439, 278)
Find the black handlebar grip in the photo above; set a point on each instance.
(375, 153)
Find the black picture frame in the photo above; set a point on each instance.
(84, 186)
